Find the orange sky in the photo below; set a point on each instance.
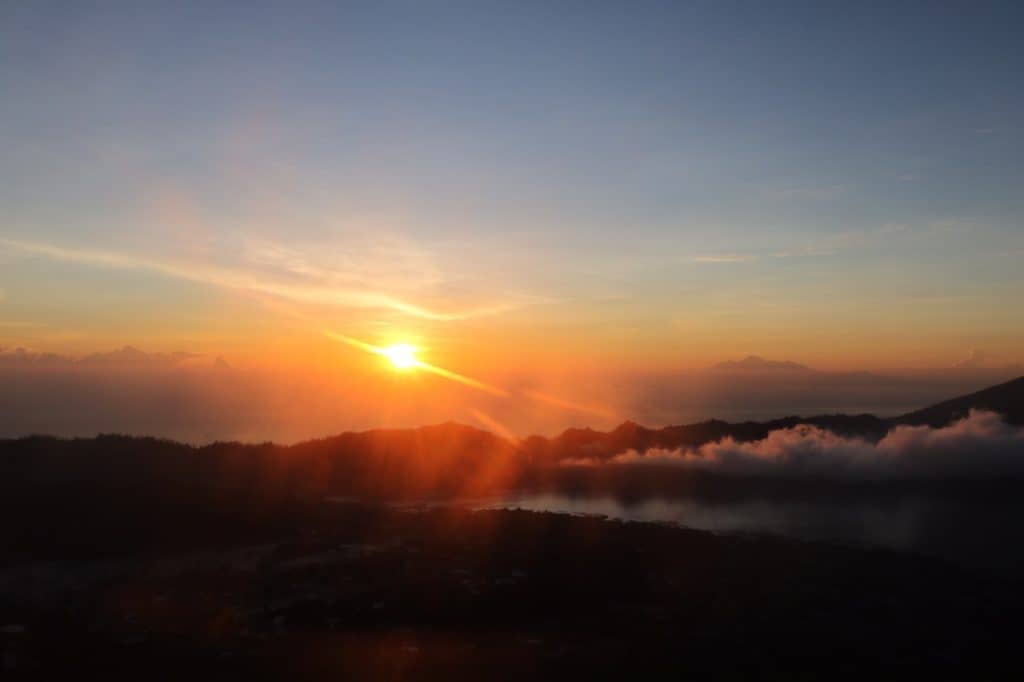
(638, 193)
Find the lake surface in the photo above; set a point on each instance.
(979, 534)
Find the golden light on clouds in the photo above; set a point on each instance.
(300, 283)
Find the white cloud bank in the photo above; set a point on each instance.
(980, 445)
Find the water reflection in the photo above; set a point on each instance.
(978, 534)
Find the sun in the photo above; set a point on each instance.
(401, 355)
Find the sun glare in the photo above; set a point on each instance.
(401, 355)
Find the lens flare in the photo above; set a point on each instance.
(401, 355)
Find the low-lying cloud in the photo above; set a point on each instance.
(980, 445)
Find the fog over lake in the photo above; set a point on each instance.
(978, 533)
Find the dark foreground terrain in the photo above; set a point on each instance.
(139, 558)
(342, 591)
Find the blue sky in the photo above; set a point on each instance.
(790, 177)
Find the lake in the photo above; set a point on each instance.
(977, 533)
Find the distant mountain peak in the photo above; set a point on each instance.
(755, 363)
(628, 426)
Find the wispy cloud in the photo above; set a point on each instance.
(300, 282)
(807, 251)
(808, 193)
(724, 258)
(888, 234)
(976, 358)
(355, 261)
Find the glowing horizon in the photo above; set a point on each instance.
(648, 191)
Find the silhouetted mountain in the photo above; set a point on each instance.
(431, 462)
(587, 443)
(127, 357)
(1006, 399)
(444, 460)
(754, 363)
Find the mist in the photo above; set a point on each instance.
(980, 445)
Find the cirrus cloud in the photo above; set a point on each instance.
(724, 258)
(298, 282)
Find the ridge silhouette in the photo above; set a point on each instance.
(443, 461)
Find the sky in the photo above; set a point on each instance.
(515, 188)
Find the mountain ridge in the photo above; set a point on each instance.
(1006, 399)
(440, 461)
(456, 440)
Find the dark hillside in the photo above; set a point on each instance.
(1006, 399)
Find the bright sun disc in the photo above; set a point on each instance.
(401, 355)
